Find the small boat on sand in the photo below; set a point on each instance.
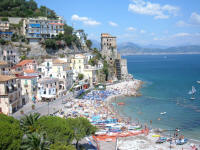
(181, 141)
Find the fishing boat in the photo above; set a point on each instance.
(192, 92)
(162, 113)
(120, 103)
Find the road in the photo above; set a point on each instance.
(42, 107)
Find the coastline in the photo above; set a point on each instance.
(112, 100)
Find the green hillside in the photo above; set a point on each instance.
(24, 8)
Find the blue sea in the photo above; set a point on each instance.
(167, 81)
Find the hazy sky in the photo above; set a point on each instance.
(160, 22)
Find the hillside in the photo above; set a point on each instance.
(134, 49)
(24, 8)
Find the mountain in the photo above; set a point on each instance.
(96, 44)
(134, 49)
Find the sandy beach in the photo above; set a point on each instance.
(102, 114)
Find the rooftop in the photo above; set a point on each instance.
(4, 78)
(30, 71)
(3, 63)
(24, 62)
(47, 80)
(58, 61)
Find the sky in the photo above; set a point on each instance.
(144, 22)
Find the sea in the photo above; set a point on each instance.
(167, 81)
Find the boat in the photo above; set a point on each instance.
(181, 141)
(162, 113)
(120, 103)
(161, 140)
(192, 92)
(198, 82)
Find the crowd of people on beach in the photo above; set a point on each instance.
(97, 107)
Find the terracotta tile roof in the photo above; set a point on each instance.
(57, 23)
(3, 63)
(4, 78)
(30, 71)
(24, 62)
(58, 61)
(26, 77)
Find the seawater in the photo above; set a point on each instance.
(167, 81)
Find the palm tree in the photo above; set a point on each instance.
(35, 141)
(28, 122)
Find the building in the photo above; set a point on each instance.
(118, 66)
(47, 89)
(57, 68)
(5, 33)
(108, 46)
(82, 37)
(25, 65)
(35, 29)
(29, 88)
(4, 68)
(9, 55)
(78, 64)
(10, 94)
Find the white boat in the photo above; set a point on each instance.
(192, 92)
(162, 113)
(198, 82)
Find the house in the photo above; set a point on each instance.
(26, 65)
(77, 65)
(35, 29)
(47, 89)
(9, 54)
(4, 68)
(10, 94)
(29, 88)
(82, 37)
(57, 68)
(5, 33)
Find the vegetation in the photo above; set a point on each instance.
(57, 129)
(105, 69)
(10, 133)
(89, 43)
(28, 123)
(24, 8)
(35, 141)
(3, 42)
(80, 76)
(42, 133)
(4, 19)
(82, 128)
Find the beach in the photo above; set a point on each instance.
(113, 129)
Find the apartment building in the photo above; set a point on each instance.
(47, 89)
(39, 28)
(4, 30)
(10, 94)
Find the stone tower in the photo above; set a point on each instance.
(108, 46)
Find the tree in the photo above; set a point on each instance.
(57, 129)
(35, 141)
(10, 133)
(60, 146)
(28, 123)
(80, 76)
(89, 43)
(105, 69)
(82, 128)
